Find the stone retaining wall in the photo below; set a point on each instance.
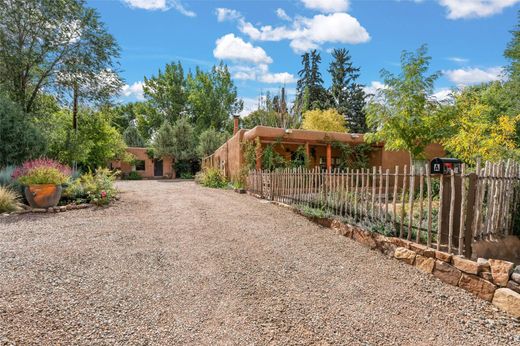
(496, 281)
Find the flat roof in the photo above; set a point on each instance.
(266, 132)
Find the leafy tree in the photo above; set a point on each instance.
(512, 86)
(19, 139)
(95, 143)
(106, 143)
(405, 116)
(132, 137)
(212, 98)
(209, 141)
(272, 112)
(142, 114)
(328, 120)
(347, 96)
(481, 128)
(45, 44)
(260, 117)
(177, 141)
(167, 92)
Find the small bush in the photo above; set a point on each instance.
(97, 188)
(186, 175)
(8, 200)
(212, 177)
(6, 176)
(133, 175)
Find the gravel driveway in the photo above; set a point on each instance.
(175, 263)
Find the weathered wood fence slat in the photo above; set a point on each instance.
(476, 204)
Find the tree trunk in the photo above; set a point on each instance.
(75, 108)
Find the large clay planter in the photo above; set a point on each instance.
(43, 195)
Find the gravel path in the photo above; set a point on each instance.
(175, 263)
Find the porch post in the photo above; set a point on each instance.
(329, 157)
(308, 153)
(259, 157)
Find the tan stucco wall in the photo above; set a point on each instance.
(140, 154)
(229, 157)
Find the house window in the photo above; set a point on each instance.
(139, 165)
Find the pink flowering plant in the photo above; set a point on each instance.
(42, 171)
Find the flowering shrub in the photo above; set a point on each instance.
(97, 188)
(42, 171)
(28, 166)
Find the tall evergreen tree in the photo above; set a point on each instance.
(310, 93)
(348, 97)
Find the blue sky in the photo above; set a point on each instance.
(262, 40)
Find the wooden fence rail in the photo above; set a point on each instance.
(448, 212)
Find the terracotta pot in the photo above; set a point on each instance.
(43, 195)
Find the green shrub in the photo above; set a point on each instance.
(212, 177)
(133, 175)
(186, 175)
(97, 188)
(6, 176)
(8, 199)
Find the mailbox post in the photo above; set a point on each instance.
(444, 166)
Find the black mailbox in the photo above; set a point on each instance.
(444, 165)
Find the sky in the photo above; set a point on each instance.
(262, 40)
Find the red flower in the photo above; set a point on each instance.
(103, 194)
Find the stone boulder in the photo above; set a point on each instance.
(465, 265)
(443, 256)
(513, 286)
(405, 255)
(425, 264)
(446, 273)
(422, 250)
(501, 270)
(479, 287)
(507, 300)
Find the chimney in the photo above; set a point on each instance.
(236, 118)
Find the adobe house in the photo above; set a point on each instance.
(318, 147)
(145, 166)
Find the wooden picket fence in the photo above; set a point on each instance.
(448, 212)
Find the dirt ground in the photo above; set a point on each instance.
(176, 263)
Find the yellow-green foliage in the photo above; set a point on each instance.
(43, 175)
(8, 200)
(212, 177)
(480, 132)
(327, 120)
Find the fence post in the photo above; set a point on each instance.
(470, 210)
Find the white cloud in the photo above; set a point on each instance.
(468, 76)
(328, 6)
(133, 91)
(374, 87)
(443, 95)
(458, 9)
(458, 60)
(303, 33)
(230, 47)
(282, 15)
(250, 105)
(162, 5)
(261, 73)
(224, 14)
(309, 33)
